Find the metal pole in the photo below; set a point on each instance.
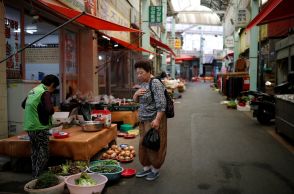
(20, 50)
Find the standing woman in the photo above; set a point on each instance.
(37, 121)
(151, 115)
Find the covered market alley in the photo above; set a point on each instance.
(211, 149)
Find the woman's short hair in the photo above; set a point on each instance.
(49, 79)
(144, 64)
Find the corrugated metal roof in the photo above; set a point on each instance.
(191, 12)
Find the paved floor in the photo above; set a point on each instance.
(211, 150)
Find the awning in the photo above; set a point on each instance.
(182, 58)
(153, 41)
(86, 19)
(274, 10)
(131, 46)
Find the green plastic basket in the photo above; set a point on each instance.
(125, 127)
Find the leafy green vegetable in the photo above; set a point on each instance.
(105, 169)
(46, 180)
(85, 180)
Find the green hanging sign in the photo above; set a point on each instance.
(155, 15)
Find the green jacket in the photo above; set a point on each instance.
(33, 104)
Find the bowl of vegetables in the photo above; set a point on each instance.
(85, 183)
(104, 162)
(112, 172)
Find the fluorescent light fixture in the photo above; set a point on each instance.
(18, 30)
(116, 45)
(31, 31)
(151, 56)
(107, 38)
(100, 57)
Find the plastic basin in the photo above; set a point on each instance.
(76, 189)
(125, 127)
(57, 189)
(114, 176)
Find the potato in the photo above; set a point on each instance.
(131, 147)
(109, 152)
(113, 155)
(104, 155)
(122, 153)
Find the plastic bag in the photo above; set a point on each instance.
(152, 140)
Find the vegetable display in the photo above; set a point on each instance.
(69, 168)
(104, 162)
(85, 180)
(105, 169)
(46, 180)
(126, 153)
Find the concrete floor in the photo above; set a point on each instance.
(211, 150)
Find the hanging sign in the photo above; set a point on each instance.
(155, 15)
(178, 43)
(243, 17)
(89, 6)
(229, 42)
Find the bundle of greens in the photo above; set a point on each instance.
(70, 167)
(85, 180)
(46, 180)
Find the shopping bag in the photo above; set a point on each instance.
(152, 140)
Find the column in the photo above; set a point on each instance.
(164, 34)
(145, 26)
(254, 38)
(173, 65)
(201, 52)
(236, 35)
(88, 79)
(3, 84)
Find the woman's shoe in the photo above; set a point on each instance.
(143, 173)
(152, 176)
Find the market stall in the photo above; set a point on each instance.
(79, 145)
(232, 83)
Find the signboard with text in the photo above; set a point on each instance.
(229, 42)
(155, 15)
(243, 17)
(178, 43)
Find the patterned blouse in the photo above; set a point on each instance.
(149, 107)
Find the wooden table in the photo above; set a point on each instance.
(79, 145)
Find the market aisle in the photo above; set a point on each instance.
(215, 150)
(211, 150)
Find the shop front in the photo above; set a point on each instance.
(54, 44)
(54, 54)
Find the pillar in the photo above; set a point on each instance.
(173, 65)
(164, 33)
(201, 52)
(3, 83)
(253, 51)
(88, 79)
(145, 26)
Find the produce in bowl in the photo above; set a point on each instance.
(104, 163)
(85, 180)
(112, 172)
(125, 153)
(79, 189)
